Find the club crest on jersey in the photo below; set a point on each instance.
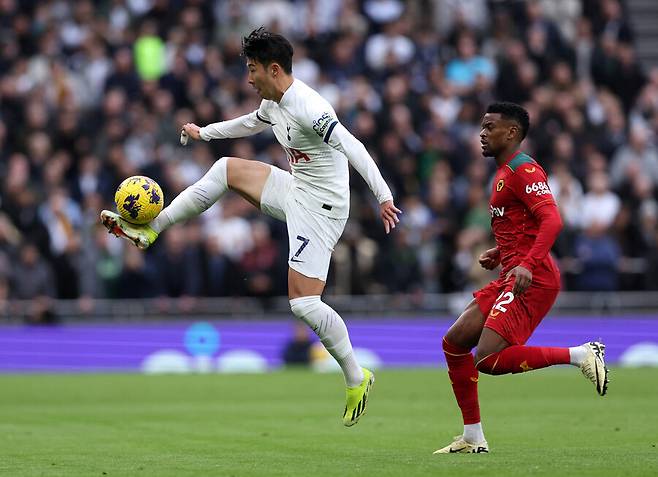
(321, 124)
(531, 170)
(500, 185)
(496, 211)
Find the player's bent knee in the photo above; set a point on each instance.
(453, 348)
(458, 336)
(449, 345)
(233, 170)
(304, 306)
(487, 365)
(247, 178)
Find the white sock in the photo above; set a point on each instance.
(196, 199)
(473, 433)
(577, 354)
(331, 330)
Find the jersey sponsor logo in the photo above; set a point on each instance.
(496, 211)
(537, 188)
(321, 124)
(531, 170)
(295, 155)
(500, 185)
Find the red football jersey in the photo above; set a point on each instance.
(519, 189)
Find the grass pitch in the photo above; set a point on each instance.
(549, 422)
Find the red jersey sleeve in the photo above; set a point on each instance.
(530, 185)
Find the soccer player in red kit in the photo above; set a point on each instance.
(525, 223)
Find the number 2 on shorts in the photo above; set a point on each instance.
(305, 242)
(504, 298)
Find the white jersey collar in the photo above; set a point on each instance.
(287, 94)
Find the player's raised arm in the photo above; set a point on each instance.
(338, 137)
(246, 125)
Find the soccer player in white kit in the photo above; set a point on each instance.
(313, 200)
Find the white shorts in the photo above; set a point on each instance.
(311, 236)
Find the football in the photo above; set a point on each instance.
(139, 199)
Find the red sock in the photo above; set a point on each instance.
(464, 380)
(519, 359)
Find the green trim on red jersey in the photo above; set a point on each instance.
(521, 158)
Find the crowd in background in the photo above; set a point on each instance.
(92, 92)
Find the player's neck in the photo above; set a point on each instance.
(281, 85)
(506, 154)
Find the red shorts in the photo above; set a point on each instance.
(514, 317)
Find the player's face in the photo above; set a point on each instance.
(260, 79)
(496, 133)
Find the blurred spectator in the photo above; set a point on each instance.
(32, 279)
(136, 279)
(598, 255)
(262, 264)
(390, 48)
(600, 205)
(178, 263)
(564, 14)
(398, 265)
(609, 21)
(452, 15)
(123, 76)
(568, 194)
(468, 67)
(354, 262)
(638, 157)
(595, 248)
(297, 351)
(101, 265)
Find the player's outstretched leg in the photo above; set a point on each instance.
(331, 330)
(191, 202)
(589, 357)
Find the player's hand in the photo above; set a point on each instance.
(389, 214)
(523, 279)
(490, 259)
(192, 130)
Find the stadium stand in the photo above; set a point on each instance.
(94, 91)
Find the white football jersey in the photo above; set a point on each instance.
(317, 145)
(303, 122)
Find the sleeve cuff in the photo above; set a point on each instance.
(385, 199)
(203, 134)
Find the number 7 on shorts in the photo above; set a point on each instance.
(305, 242)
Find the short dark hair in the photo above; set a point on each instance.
(266, 48)
(514, 112)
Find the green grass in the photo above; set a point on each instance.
(287, 423)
